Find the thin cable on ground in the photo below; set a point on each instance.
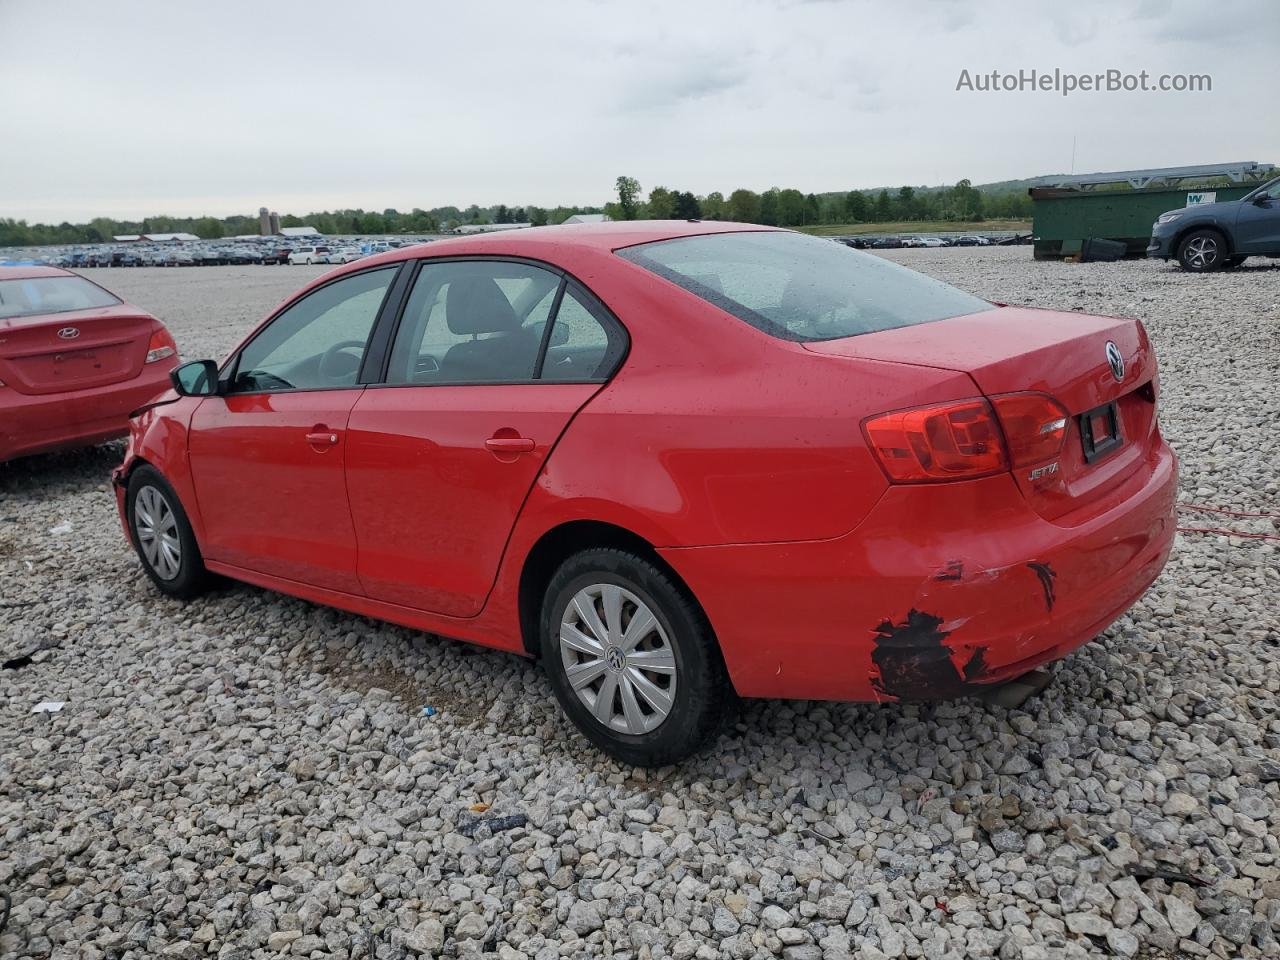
(1230, 533)
(1205, 508)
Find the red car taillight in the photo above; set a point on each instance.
(1035, 425)
(161, 347)
(966, 439)
(946, 441)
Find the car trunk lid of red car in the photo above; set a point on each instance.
(1064, 355)
(77, 350)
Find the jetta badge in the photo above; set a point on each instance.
(69, 333)
(1115, 360)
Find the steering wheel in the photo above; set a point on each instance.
(340, 367)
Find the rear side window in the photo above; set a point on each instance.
(584, 345)
(801, 288)
(473, 322)
(40, 295)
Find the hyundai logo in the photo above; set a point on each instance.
(69, 333)
(1115, 360)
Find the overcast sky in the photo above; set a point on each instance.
(128, 109)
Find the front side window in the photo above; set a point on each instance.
(319, 342)
(473, 322)
(36, 296)
(801, 288)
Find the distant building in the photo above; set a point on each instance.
(264, 222)
(169, 237)
(127, 238)
(589, 218)
(299, 232)
(275, 223)
(488, 227)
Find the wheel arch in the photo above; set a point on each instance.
(561, 542)
(1213, 225)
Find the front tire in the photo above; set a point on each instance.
(632, 658)
(162, 535)
(1202, 251)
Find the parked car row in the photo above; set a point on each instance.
(887, 243)
(265, 250)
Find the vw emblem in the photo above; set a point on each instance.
(69, 333)
(1115, 360)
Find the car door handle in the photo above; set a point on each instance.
(510, 444)
(322, 438)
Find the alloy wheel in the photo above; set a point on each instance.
(618, 658)
(1202, 252)
(157, 528)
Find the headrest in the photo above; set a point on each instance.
(478, 305)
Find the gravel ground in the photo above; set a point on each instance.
(253, 776)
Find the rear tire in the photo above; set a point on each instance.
(1202, 251)
(657, 663)
(162, 536)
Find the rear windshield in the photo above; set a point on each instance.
(801, 288)
(39, 295)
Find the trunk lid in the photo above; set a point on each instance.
(41, 355)
(1062, 354)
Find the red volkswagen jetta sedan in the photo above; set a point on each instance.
(680, 462)
(75, 361)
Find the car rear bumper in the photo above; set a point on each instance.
(40, 424)
(944, 588)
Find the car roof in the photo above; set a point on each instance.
(29, 273)
(612, 235)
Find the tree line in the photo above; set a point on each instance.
(775, 207)
(19, 233)
(791, 208)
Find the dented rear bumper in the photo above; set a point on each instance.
(942, 589)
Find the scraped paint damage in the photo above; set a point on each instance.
(1046, 575)
(914, 663)
(918, 658)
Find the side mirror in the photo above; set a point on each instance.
(199, 378)
(1262, 199)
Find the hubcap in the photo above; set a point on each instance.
(1202, 251)
(618, 658)
(157, 529)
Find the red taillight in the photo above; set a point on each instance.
(161, 346)
(946, 441)
(968, 438)
(1034, 425)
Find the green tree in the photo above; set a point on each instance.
(628, 198)
(685, 206)
(743, 206)
(791, 208)
(662, 204)
(537, 216)
(906, 204)
(208, 228)
(883, 210)
(769, 207)
(713, 206)
(855, 206)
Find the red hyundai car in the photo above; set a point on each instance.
(75, 361)
(680, 462)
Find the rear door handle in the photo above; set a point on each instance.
(510, 444)
(322, 438)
